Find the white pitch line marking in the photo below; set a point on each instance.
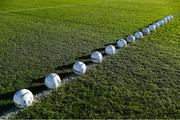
(13, 111)
(33, 9)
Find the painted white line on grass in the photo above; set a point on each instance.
(37, 97)
(14, 110)
(33, 9)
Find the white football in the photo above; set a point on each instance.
(168, 18)
(171, 16)
(96, 57)
(138, 35)
(121, 43)
(165, 20)
(52, 81)
(152, 27)
(145, 31)
(162, 22)
(23, 98)
(157, 24)
(79, 68)
(130, 39)
(110, 50)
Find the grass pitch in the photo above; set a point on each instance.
(38, 37)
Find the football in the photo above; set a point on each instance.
(171, 16)
(152, 27)
(162, 22)
(23, 98)
(52, 81)
(130, 39)
(157, 24)
(138, 35)
(121, 43)
(165, 20)
(145, 31)
(96, 57)
(110, 50)
(79, 68)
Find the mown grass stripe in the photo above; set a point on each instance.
(34, 9)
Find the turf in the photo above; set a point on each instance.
(38, 37)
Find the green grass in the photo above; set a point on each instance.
(140, 81)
